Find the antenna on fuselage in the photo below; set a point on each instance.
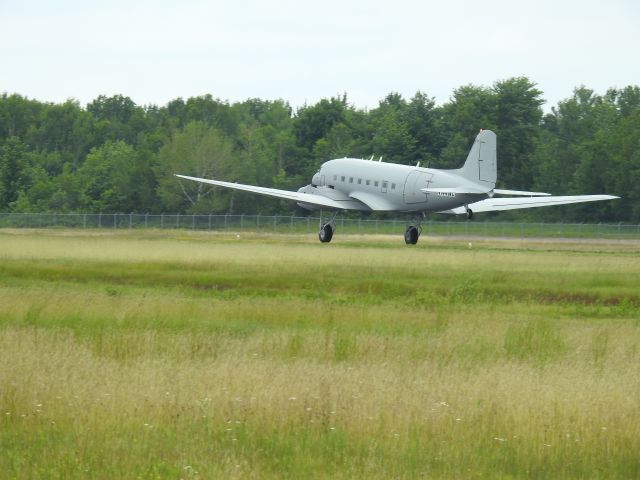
(418, 164)
(371, 157)
(380, 159)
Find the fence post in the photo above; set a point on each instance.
(115, 220)
(162, 220)
(178, 221)
(130, 220)
(193, 221)
(242, 221)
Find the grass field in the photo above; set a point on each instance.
(172, 354)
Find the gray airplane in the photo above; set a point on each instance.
(376, 186)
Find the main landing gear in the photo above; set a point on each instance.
(326, 229)
(413, 231)
(469, 213)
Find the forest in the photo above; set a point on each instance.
(116, 156)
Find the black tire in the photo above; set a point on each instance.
(469, 214)
(411, 235)
(326, 233)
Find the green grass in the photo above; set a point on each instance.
(172, 354)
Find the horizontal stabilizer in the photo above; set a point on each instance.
(520, 193)
(458, 190)
(499, 204)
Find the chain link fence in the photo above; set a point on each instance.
(294, 224)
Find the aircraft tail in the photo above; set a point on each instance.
(481, 164)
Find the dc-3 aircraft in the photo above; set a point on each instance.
(376, 186)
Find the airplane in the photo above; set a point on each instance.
(377, 186)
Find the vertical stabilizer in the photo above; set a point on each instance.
(481, 164)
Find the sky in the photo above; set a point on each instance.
(303, 51)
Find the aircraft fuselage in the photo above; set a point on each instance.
(372, 185)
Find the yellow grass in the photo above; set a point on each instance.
(154, 380)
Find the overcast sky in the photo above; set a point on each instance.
(155, 51)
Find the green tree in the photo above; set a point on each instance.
(12, 162)
(314, 122)
(390, 132)
(201, 151)
(66, 129)
(471, 109)
(116, 179)
(17, 115)
(117, 118)
(517, 118)
(422, 118)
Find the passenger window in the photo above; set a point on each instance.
(375, 184)
(342, 178)
(393, 186)
(350, 179)
(384, 184)
(359, 181)
(368, 182)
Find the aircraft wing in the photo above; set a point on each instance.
(308, 198)
(497, 204)
(520, 193)
(374, 202)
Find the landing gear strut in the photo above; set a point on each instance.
(326, 229)
(469, 213)
(413, 231)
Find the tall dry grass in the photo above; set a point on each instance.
(122, 365)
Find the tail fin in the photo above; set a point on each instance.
(481, 164)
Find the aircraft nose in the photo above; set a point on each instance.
(316, 179)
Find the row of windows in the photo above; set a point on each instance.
(376, 183)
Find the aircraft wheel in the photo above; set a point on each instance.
(469, 214)
(326, 233)
(411, 235)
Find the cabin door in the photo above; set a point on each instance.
(415, 181)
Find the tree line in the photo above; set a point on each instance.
(116, 156)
